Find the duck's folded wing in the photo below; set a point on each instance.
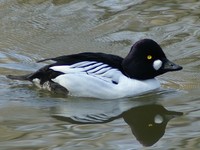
(90, 69)
(112, 60)
(88, 79)
(77, 63)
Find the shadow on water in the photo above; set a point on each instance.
(147, 120)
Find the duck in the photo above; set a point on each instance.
(104, 76)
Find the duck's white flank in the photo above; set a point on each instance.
(94, 79)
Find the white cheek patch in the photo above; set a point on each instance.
(157, 64)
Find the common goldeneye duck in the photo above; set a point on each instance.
(104, 76)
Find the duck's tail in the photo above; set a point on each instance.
(21, 77)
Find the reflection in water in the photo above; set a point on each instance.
(147, 122)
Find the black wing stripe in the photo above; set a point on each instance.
(83, 64)
(101, 70)
(92, 67)
(98, 68)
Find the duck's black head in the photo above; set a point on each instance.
(147, 60)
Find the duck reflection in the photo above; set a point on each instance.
(147, 122)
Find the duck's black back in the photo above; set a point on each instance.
(46, 74)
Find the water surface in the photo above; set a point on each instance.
(35, 29)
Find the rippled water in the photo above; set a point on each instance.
(31, 30)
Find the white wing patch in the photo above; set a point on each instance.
(93, 68)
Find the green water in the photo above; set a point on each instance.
(31, 30)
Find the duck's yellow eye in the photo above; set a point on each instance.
(149, 57)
